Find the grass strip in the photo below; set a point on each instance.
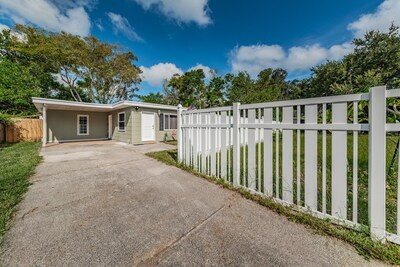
(17, 164)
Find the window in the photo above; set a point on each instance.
(168, 122)
(83, 124)
(121, 121)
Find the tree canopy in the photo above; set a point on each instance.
(102, 72)
(36, 62)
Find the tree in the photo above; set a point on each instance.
(157, 98)
(374, 61)
(190, 88)
(238, 87)
(101, 71)
(326, 79)
(215, 92)
(270, 85)
(22, 78)
(17, 87)
(377, 53)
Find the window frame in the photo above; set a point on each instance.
(169, 122)
(78, 124)
(119, 121)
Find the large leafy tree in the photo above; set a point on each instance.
(22, 77)
(17, 87)
(239, 87)
(270, 85)
(90, 68)
(374, 61)
(190, 88)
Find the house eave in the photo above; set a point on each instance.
(72, 105)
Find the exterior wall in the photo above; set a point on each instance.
(133, 133)
(122, 136)
(62, 125)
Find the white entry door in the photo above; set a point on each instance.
(148, 126)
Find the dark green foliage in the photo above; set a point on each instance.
(157, 98)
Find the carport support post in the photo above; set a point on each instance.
(236, 144)
(179, 133)
(44, 125)
(377, 162)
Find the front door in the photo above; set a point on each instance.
(148, 126)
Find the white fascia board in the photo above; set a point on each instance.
(39, 102)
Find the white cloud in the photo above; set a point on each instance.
(46, 15)
(184, 11)
(207, 70)
(121, 24)
(387, 13)
(255, 58)
(3, 27)
(156, 74)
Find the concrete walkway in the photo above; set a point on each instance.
(107, 204)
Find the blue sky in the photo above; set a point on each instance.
(173, 36)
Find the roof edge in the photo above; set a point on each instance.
(40, 100)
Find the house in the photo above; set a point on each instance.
(126, 121)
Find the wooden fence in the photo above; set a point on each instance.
(2, 133)
(22, 130)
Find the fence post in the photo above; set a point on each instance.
(179, 133)
(236, 144)
(377, 162)
(44, 125)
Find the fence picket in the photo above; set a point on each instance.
(203, 144)
(310, 159)
(298, 155)
(259, 140)
(223, 146)
(339, 162)
(355, 164)
(195, 143)
(213, 137)
(277, 178)
(287, 156)
(268, 179)
(324, 160)
(251, 162)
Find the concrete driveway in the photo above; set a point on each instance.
(107, 204)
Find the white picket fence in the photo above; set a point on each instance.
(280, 150)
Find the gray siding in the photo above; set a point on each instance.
(62, 125)
(137, 122)
(122, 136)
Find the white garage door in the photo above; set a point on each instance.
(148, 129)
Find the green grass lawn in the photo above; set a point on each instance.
(362, 170)
(17, 163)
(172, 142)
